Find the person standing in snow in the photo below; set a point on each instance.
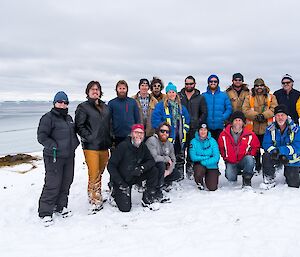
(93, 124)
(162, 151)
(288, 96)
(195, 103)
(124, 112)
(218, 106)
(156, 86)
(130, 163)
(205, 154)
(259, 111)
(171, 111)
(56, 132)
(146, 104)
(282, 148)
(238, 146)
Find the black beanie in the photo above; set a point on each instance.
(238, 76)
(281, 108)
(237, 115)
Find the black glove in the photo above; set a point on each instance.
(138, 171)
(275, 154)
(283, 159)
(125, 189)
(260, 118)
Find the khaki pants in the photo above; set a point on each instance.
(96, 162)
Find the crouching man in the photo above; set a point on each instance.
(162, 151)
(130, 163)
(282, 148)
(238, 146)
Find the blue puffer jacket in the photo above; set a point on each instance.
(287, 143)
(161, 114)
(205, 151)
(218, 108)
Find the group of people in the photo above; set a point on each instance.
(153, 139)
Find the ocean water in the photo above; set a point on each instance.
(19, 122)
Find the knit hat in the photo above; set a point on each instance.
(287, 76)
(172, 87)
(281, 109)
(237, 115)
(211, 77)
(238, 76)
(60, 96)
(202, 125)
(137, 126)
(259, 81)
(143, 81)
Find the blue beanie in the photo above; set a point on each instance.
(211, 77)
(172, 87)
(60, 96)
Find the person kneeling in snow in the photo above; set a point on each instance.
(56, 132)
(204, 152)
(130, 163)
(282, 147)
(162, 151)
(238, 146)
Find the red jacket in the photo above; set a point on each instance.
(248, 144)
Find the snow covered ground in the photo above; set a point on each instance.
(228, 222)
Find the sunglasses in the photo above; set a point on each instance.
(156, 85)
(213, 82)
(238, 80)
(164, 131)
(262, 85)
(189, 84)
(63, 102)
(286, 83)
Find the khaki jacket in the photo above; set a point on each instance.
(149, 130)
(260, 106)
(235, 99)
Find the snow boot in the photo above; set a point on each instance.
(268, 183)
(64, 213)
(189, 171)
(94, 208)
(161, 197)
(149, 200)
(47, 221)
(200, 186)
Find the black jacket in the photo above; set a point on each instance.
(93, 125)
(57, 131)
(196, 107)
(125, 158)
(289, 100)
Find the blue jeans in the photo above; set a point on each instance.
(246, 165)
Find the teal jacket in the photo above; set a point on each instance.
(206, 152)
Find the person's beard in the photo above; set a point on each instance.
(122, 95)
(189, 89)
(162, 139)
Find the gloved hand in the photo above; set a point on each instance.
(125, 189)
(283, 159)
(275, 154)
(138, 171)
(260, 118)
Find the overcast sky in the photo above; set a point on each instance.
(47, 46)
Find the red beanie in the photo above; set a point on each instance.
(137, 126)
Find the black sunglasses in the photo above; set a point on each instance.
(164, 131)
(190, 84)
(261, 85)
(63, 102)
(286, 83)
(238, 80)
(213, 81)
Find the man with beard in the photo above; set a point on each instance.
(195, 103)
(259, 111)
(146, 104)
(237, 92)
(156, 86)
(288, 96)
(93, 124)
(238, 146)
(130, 163)
(282, 148)
(162, 151)
(124, 112)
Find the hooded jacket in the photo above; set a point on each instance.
(248, 144)
(218, 107)
(236, 99)
(205, 151)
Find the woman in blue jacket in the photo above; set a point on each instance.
(170, 110)
(218, 106)
(204, 152)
